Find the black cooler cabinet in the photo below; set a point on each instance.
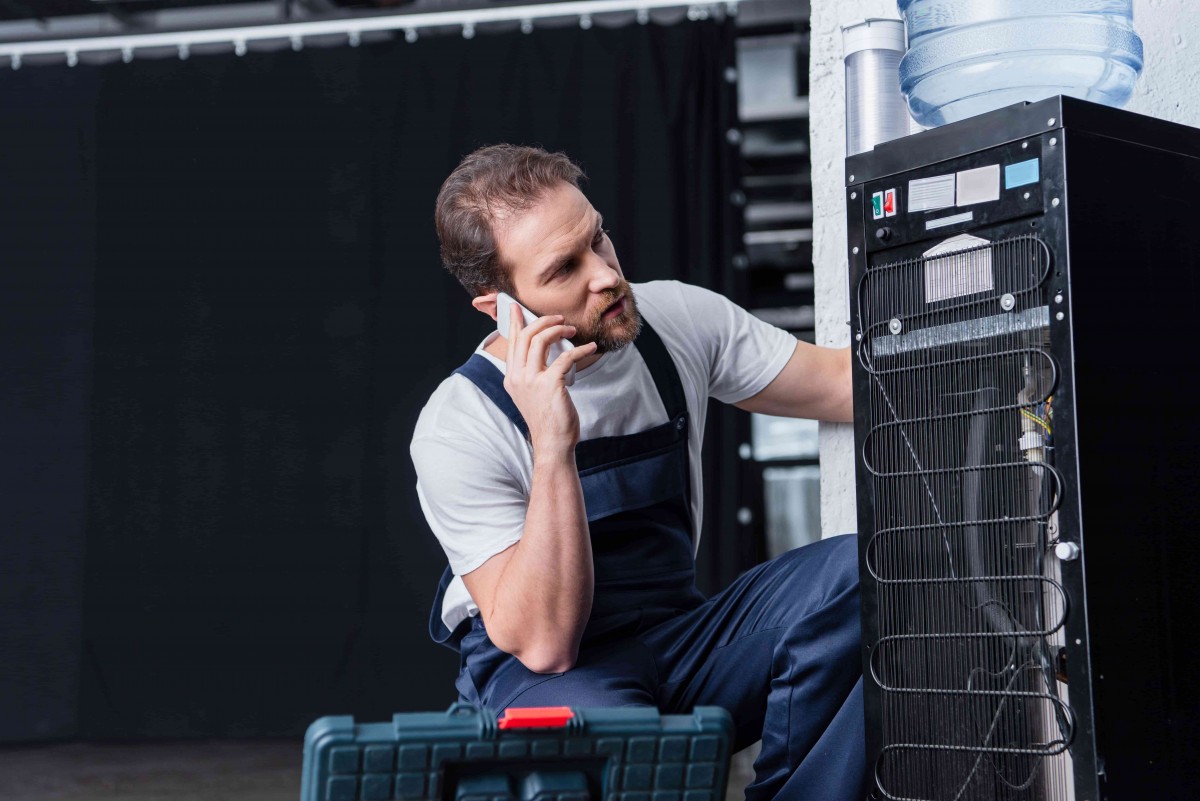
(1023, 295)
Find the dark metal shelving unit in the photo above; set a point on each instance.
(776, 282)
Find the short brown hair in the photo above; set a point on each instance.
(492, 180)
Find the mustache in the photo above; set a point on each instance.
(610, 297)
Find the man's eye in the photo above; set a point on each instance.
(603, 232)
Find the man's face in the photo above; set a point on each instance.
(562, 262)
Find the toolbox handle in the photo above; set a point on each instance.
(536, 717)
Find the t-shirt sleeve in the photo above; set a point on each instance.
(744, 353)
(473, 503)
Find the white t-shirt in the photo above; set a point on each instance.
(475, 469)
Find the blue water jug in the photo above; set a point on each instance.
(966, 57)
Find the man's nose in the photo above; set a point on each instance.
(603, 275)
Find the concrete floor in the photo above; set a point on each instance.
(212, 770)
(216, 770)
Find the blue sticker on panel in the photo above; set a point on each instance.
(1026, 172)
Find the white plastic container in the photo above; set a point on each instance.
(966, 57)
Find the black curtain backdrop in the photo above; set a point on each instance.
(47, 259)
(223, 310)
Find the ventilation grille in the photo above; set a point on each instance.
(960, 454)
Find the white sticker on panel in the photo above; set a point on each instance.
(953, 219)
(979, 185)
(950, 273)
(925, 194)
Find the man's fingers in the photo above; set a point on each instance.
(563, 363)
(539, 344)
(516, 356)
(518, 344)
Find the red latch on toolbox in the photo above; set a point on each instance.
(536, 717)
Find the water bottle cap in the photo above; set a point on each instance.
(874, 33)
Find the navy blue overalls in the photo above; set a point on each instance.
(779, 648)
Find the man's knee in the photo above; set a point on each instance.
(831, 563)
(844, 560)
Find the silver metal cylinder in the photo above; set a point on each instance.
(875, 108)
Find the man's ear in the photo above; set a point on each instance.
(486, 304)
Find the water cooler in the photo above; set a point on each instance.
(1028, 455)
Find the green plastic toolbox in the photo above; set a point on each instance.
(544, 754)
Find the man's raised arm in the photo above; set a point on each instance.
(536, 596)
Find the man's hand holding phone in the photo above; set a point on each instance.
(536, 378)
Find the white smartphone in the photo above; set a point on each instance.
(505, 303)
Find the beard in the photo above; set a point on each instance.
(614, 334)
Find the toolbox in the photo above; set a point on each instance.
(539, 754)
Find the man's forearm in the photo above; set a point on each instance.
(544, 596)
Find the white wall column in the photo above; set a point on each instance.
(827, 137)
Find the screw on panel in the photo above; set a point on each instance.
(858, 337)
(731, 75)
(1054, 203)
(853, 195)
(410, 35)
(585, 21)
(737, 197)
(895, 326)
(854, 249)
(1066, 551)
(1059, 316)
(1050, 121)
(745, 451)
(1058, 298)
(1007, 301)
(744, 516)
(851, 179)
(526, 26)
(1024, 145)
(733, 136)
(740, 261)
(1053, 141)
(1027, 196)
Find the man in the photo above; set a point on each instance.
(569, 515)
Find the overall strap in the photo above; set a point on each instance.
(662, 370)
(490, 381)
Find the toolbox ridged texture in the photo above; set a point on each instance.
(461, 754)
